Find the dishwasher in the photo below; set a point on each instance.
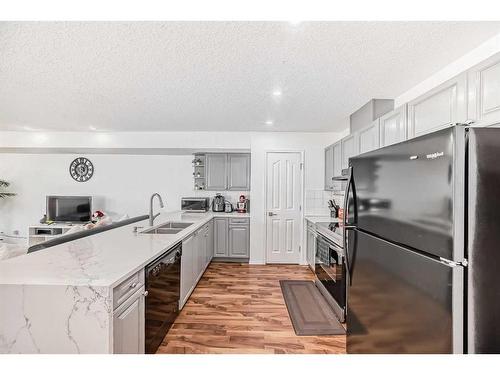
(163, 279)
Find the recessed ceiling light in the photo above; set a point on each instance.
(269, 122)
(277, 93)
(92, 128)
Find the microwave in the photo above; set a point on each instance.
(197, 204)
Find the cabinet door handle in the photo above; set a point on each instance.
(272, 214)
(145, 294)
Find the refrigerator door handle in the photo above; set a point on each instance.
(349, 226)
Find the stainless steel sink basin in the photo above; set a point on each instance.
(162, 231)
(168, 228)
(175, 225)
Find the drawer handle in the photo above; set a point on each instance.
(133, 285)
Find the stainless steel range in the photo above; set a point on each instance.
(330, 266)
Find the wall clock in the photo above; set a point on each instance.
(81, 169)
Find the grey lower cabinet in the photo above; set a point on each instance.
(393, 126)
(220, 237)
(197, 252)
(129, 315)
(311, 246)
(369, 137)
(484, 92)
(210, 242)
(227, 171)
(187, 266)
(232, 238)
(129, 325)
(442, 106)
(239, 241)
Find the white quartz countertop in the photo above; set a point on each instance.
(104, 259)
(321, 219)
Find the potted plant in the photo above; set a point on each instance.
(4, 194)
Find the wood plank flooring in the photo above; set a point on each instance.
(239, 308)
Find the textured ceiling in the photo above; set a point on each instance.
(179, 76)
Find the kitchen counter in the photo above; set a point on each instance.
(60, 299)
(321, 219)
(104, 259)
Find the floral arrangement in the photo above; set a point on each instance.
(4, 194)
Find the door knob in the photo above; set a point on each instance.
(271, 214)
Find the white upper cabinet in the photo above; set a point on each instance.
(438, 108)
(349, 149)
(484, 92)
(393, 126)
(369, 137)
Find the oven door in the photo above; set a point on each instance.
(331, 273)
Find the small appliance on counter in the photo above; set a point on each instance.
(218, 203)
(228, 206)
(243, 205)
(334, 208)
(195, 204)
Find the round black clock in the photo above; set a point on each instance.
(81, 169)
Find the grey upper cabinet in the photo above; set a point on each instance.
(128, 325)
(238, 172)
(438, 108)
(349, 149)
(484, 92)
(220, 237)
(216, 171)
(329, 168)
(393, 126)
(369, 137)
(337, 159)
(239, 241)
(227, 172)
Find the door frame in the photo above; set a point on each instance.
(301, 152)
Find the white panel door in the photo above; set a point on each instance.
(283, 207)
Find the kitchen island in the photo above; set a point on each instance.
(63, 299)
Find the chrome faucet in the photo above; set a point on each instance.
(151, 216)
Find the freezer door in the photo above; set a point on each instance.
(483, 241)
(412, 193)
(400, 301)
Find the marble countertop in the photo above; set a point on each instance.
(104, 259)
(321, 219)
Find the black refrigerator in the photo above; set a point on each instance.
(423, 245)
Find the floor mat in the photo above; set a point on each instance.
(310, 313)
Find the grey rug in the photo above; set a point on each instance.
(309, 312)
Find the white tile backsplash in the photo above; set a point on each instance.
(316, 202)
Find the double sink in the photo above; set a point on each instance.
(168, 228)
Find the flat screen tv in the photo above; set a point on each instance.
(74, 209)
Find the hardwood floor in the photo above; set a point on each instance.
(239, 308)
